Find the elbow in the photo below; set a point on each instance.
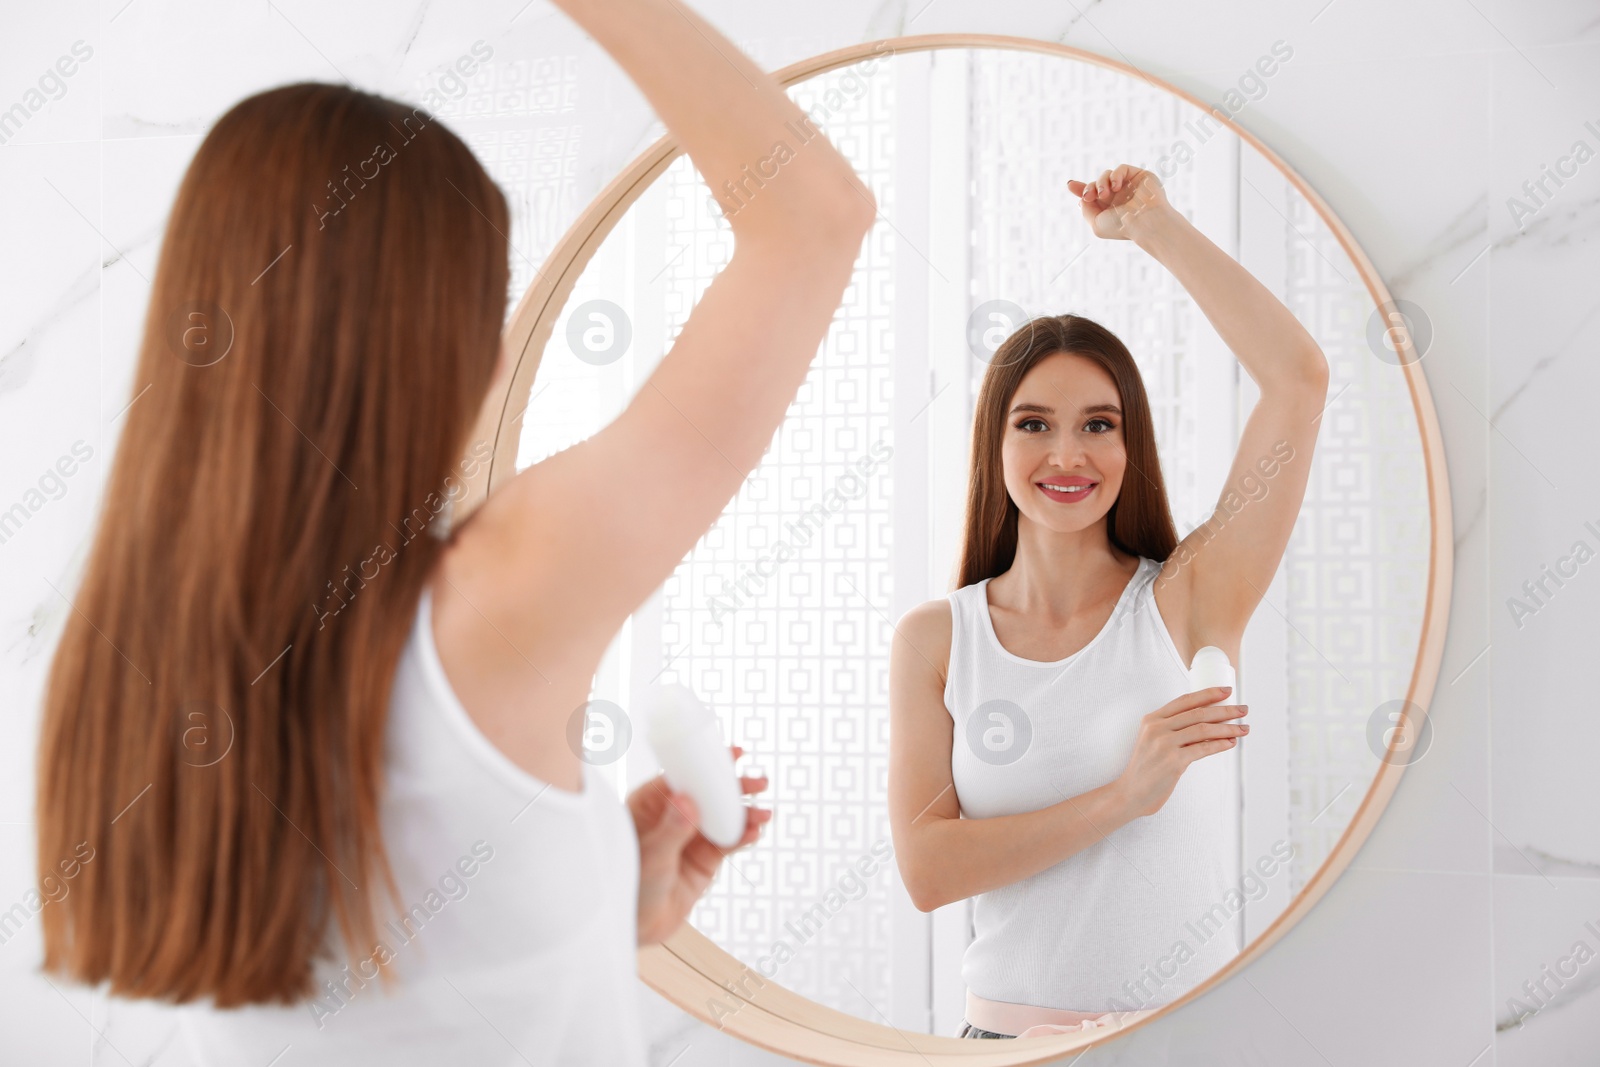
(1313, 369)
(821, 230)
(844, 217)
(1317, 378)
(815, 201)
(923, 861)
(1317, 371)
(861, 207)
(1301, 382)
(840, 210)
(842, 201)
(925, 894)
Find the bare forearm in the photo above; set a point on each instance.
(1268, 340)
(952, 859)
(728, 114)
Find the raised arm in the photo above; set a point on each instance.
(582, 538)
(1221, 569)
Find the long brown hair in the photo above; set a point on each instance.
(322, 328)
(1140, 519)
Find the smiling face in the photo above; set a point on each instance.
(1064, 429)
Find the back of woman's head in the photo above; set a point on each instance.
(1139, 522)
(322, 327)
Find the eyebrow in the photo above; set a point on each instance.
(1090, 410)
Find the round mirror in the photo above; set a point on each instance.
(781, 618)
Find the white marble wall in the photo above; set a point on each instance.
(1417, 121)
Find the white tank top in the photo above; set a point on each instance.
(520, 942)
(1140, 917)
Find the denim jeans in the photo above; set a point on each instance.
(968, 1030)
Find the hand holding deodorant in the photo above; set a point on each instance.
(687, 739)
(1210, 667)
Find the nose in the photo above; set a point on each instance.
(1067, 451)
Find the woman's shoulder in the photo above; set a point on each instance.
(927, 628)
(930, 619)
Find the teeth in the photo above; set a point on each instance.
(1068, 489)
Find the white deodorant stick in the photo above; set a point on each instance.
(1210, 667)
(687, 739)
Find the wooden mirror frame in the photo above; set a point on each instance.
(691, 970)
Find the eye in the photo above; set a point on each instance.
(1109, 426)
(1023, 425)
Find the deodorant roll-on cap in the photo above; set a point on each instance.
(1210, 667)
(676, 713)
(688, 742)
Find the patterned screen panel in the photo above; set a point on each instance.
(1358, 562)
(519, 116)
(776, 618)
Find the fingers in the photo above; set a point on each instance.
(1110, 182)
(667, 836)
(682, 817)
(1190, 701)
(1202, 731)
(748, 783)
(703, 856)
(1201, 749)
(700, 862)
(754, 821)
(757, 818)
(1208, 714)
(647, 801)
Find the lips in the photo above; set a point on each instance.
(1072, 496)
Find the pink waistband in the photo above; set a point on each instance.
(1030, 1020)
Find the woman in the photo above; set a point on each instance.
(319, 761)
(1027, 769)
